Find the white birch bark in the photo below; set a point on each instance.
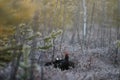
(84, 17)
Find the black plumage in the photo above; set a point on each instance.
(63, 64)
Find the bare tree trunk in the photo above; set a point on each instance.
(42, 66)
(61, 41)
(119, 25)
(53, 54)
(64, 27)
(15, 63)
(103, 24)
(118, 35)
(34, 45)
(73, 36)
(91, 25)
(85, 22)
(76, 25)
(117, 48)
(110, 38)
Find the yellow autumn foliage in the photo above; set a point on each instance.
(12, 13)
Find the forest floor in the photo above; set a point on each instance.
(94, 64)
(91, 64)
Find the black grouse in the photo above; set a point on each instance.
(63, 64)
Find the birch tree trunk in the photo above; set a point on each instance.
(84, 21)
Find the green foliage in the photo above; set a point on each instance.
(45, 47)
(48, 40)
(7, 54)
(55, 34)
(26, 52)
(34, 36)
(118, 43)
(24, 65)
